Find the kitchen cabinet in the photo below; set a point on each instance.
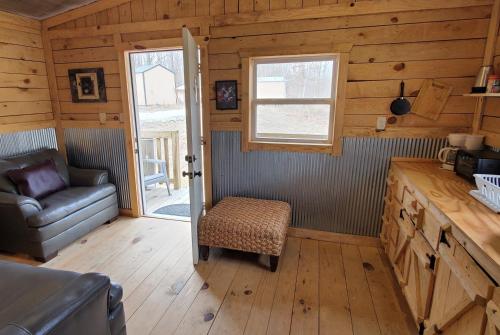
(461, 293)
(493, 314)
(447, 271)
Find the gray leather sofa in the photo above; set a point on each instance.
(42, 227)
(38, 301)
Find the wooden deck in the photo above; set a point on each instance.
(319, 288)
(158, 197)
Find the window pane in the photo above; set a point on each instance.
(295, 80)
(306, 122)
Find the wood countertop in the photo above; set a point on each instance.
(474, 225)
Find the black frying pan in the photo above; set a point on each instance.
(401, 106)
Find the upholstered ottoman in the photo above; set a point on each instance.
(246, 224)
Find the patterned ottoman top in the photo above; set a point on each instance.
(246, 224)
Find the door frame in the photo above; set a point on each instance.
(124, 49)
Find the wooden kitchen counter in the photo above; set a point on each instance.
(474, 225)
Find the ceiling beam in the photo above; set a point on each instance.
(76, 13)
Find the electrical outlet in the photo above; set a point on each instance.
(381, 123)
(102, 117)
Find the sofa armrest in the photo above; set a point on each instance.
(80, 307)
(87, 177)
(18, 205)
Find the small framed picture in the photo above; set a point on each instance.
(226, 94)
(87, 85)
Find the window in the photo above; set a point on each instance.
(293, 99)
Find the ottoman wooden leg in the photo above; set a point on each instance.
(204, 252)
(273, 262)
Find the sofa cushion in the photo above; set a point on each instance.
(37, 181)
(6, 185)
(42, 156)
(61, 204)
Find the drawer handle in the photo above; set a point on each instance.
(432, 261)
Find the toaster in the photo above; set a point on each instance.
(470, 162)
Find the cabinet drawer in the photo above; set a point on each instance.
(413, 207)
(461, 292)
(431, 228)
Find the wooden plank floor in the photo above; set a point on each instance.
(319, 288)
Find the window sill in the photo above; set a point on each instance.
(291, 147)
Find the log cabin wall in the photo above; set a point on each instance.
(446, 44)
(490, 124)
(409, 41)
(26, 117)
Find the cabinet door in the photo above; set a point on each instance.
(400, 256)
(419, 288)
(461, 291)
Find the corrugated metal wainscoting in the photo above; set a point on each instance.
(101, 149)
(337, 194)
(13, 144)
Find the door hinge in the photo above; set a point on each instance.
(203, 142)
(190, 159)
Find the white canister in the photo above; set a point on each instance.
(457, 139)
(474, 142)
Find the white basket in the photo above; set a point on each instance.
(488, 190)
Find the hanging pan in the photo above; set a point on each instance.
(401, 105)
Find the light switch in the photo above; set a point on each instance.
(102, 117)
(381, 123)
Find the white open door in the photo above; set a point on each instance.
(193, 120)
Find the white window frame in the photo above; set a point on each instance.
(254, 101)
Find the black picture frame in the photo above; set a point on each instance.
(226, 93)
(87, 85)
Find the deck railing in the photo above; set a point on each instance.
(162, 145)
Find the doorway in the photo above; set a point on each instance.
(157, 79)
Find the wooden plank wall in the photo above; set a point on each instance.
(490, 125)
(446, 44)
(148, 10)
(24, 92)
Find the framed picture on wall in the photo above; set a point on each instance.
(87, 85)
(226, 94)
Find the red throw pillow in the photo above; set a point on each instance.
(37, 181)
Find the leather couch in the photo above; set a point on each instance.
(42, 227)
(38, 301)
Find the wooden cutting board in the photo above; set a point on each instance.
(431, 99)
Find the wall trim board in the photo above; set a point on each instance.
(91, 124)
(12, 128)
